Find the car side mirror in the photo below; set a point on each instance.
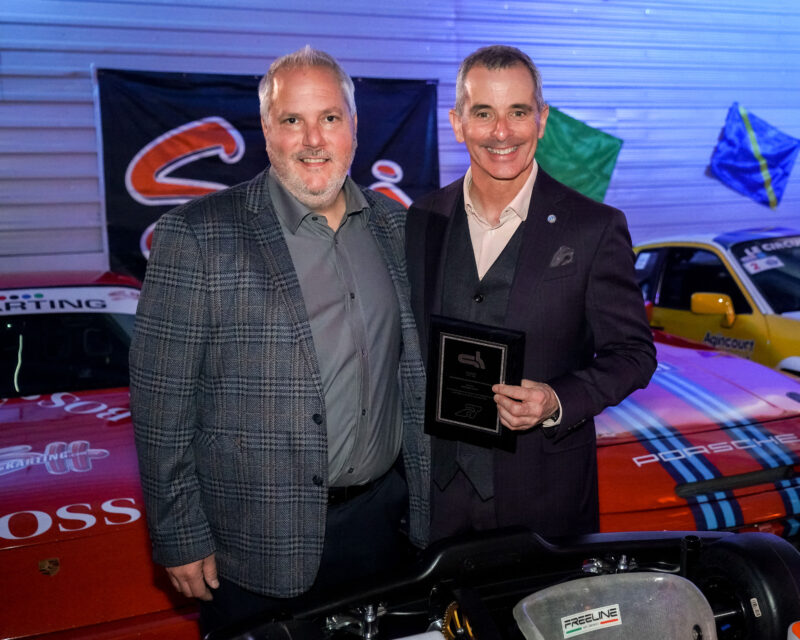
(714, 304)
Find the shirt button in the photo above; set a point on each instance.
(317, 481)
(363, 412)
(317, 418)
(352, 296)
(478, 297)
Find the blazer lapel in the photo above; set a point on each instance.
(546, 229)
(267, 232)
(436, 234)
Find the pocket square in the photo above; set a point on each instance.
(564, 255)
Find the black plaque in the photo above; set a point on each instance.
(464, 360)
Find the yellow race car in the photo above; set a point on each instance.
(737, 292)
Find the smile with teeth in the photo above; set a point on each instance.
(502, 152)
(313, 160)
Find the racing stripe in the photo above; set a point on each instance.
(791, 527)
(659, 438)
(770, 454)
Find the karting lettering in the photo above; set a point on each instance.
(55, 305)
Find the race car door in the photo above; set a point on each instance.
(686, 270)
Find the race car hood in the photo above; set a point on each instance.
(67, 467)
(711, 443)
(697, 390)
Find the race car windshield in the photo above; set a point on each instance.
(774, 267)
(46, 353)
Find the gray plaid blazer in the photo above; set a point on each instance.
(227, 401)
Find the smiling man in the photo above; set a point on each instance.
(509, 246)
(275, 369)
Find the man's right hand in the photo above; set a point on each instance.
(194, 579)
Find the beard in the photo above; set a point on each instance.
(313, 198)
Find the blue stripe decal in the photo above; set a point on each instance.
(769, 453)
(792, 527)
(657, 438)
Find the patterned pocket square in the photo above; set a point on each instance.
(563, 256)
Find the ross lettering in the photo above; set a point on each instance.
(57, 400)
(43, 523)
(65, 513)
(23, 525)
(73, 404)
(85, 406)
(114, 414)
(132, 513)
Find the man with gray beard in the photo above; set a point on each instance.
(276, 377)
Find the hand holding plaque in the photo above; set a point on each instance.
(464, 360)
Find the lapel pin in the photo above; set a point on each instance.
(551, 218)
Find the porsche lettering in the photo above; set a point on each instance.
(713, 448)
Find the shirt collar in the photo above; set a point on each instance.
(518, 206)
(292, 212)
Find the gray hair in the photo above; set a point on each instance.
(497, 56)
(305, 58)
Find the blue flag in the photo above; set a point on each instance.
(753, 157)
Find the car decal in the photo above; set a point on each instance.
(769, 453)
(49, 300)
(658, 437)
(58, 457)
(791, 527)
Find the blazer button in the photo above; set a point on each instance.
(317, 481)
(478, 297)
(317, 418)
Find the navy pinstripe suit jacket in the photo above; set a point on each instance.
(227, 402)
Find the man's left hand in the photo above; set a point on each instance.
(522, 407)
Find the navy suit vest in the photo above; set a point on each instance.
(466, 297)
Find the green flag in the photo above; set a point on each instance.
(578, 155)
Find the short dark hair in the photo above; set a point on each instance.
(493, 57)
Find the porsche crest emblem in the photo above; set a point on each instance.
(49, 566)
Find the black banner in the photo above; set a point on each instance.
(171, 137)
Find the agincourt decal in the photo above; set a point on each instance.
(719, 341)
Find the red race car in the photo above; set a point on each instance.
(711, 444)
(73, 540)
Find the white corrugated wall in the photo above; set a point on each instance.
(660, 75)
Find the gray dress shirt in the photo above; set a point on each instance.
(355, 324)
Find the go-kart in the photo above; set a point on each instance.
(514, 584)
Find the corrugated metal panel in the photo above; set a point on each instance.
(660, 75)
